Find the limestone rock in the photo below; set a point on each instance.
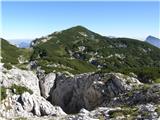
(147, 111)
(145, 94)
(46, 84)
(89, 90)
(27, 102)
(27, 105)
(97, 114)
(20, 77)
(118, 83)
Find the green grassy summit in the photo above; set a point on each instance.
(80, 50)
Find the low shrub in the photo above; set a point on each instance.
(3, 94)
(20, 89)
(8, 66)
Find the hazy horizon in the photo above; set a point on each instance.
(30, 20)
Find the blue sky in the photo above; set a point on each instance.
(29, 20)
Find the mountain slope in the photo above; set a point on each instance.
(153, 41)
(79, 50)
(12, 55)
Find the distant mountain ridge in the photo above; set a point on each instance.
(21, 43)
(153, 41)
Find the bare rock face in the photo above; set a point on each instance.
(20, 77)
(27, 101)
(69, 93)
(117, 83)
(27, 105)
(89, 90)
(46, 84)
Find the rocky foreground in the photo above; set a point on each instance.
(92, 96)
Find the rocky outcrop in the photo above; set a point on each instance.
(46, 84)
(148, 111)
(144, 111)
(27, 105)
(20, 77)
(146, 95)
(89, 90)
(117, 83)
(141, 95)
(97, 114)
